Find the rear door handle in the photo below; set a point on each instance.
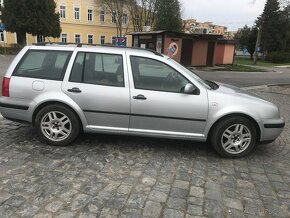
(75, 90)
(139, 97)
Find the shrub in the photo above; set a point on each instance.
(278, 57)
(13, 50)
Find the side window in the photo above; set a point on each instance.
(154, 75)
(99, 69)
(43, 64)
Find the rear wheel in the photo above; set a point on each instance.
(234, 137)
(57, 125)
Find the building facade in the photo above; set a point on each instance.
(192, 26)
(82, 21)
(188, 49)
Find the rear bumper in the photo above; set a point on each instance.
(271, 129)
(16, 109)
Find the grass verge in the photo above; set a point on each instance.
(261, 63)
(240, 68)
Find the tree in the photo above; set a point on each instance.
(116, 8)
(143, 13)
(286, 29)
(36, 17)
(271, 26)
(247, 38)
(168, 16)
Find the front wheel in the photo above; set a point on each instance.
(57, 125)
(234, 137)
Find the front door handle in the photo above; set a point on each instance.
(75, 90)
(139, 97)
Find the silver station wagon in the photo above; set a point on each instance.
(63, 90)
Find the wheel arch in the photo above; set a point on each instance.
(44, 104)
(251, 119)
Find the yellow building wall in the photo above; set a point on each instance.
(83, 27)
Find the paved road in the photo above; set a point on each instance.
(4, 64)
(246, 79)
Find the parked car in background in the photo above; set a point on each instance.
(63, 90)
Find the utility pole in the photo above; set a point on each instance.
(257, 47)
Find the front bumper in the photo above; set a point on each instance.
(271, 129)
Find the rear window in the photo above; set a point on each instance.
(43, 64)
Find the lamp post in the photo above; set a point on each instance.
(257, 47)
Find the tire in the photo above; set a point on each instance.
(57, 125)
(234, 137)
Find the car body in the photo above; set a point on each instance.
(131, 91)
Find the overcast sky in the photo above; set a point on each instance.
(231, 13)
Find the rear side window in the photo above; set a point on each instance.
(43, 64)
(99, 69)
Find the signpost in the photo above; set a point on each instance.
(121, 41)
(2, 28)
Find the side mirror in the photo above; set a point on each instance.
(189, 89)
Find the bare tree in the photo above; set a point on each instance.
(142, 12)
(116, 9)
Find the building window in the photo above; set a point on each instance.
(125, 18)
(102, 15)
(64, 38)
(1, 36)
(77, 38)
(62, 11)
(136, 20)
(90, 39)
(90, 14)
(77, 13)
(40, 38)
(113, 40)
(103, 39)
(114, 17)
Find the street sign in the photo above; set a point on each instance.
(2, 26)
(121, 41)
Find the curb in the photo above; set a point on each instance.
(255, 87)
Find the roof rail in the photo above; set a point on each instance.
(102, 45)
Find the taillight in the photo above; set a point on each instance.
(5, 87)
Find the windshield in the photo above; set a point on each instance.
(190, 73)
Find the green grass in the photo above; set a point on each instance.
(261, 63)
(240, 68)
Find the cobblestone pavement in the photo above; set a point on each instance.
(108, 176)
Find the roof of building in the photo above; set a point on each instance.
(179, 34)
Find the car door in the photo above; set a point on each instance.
(158, 104)
(98, 85)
